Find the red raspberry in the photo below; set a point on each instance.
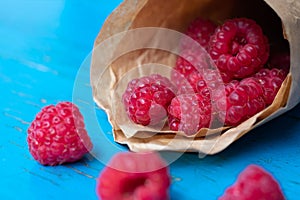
(142, 176)
(243, 100)
(188, 62)
(189, 113)
(200, 30)
(239, 47)
(146, 99)
(204, 83)
(57, 135)
(270, 80)
(254, 183)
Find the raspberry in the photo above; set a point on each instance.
(200, 30)
(239, 47)
(146, 99)
(57, 135)
(270, 80)
(243, 100)
(188, 62)
(189, 113)
(254, 183)
(203, 83)
(142, 176)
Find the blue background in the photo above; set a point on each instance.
(42, 46)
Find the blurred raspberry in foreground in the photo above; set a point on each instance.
(252, 184)
(140, 176)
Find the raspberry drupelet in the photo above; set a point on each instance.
(189, 61)
(199, 30)
(243, 100)
(189, 113)
(205, 83)
(271, 81)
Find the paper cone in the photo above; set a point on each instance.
(117, 58)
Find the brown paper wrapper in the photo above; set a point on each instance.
(112, 70)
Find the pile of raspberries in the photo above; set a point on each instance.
(230, 79)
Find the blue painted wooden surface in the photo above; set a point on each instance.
(42, 46)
